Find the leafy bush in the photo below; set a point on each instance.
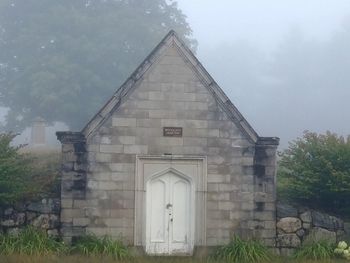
(44, 173)
(14, 168)
(315, 171)
(315, 251)
(242, 251)
(91, 245)
(30, 241)
(25, 176)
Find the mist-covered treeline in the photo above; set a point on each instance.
(61, 60)
(303, 84)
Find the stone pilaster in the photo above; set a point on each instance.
(73, 182)
(265, 190)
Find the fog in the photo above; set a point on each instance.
(284, 64)
(263, 22)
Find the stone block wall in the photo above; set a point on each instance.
(73, 184)
(99, 164)
(261, 222)
(43, 215)
(170, 95)
(299, 226)
(265, 190)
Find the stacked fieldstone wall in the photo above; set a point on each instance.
(43, 215)
(300, 226)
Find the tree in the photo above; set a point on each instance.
(315, 171)
(61, 60)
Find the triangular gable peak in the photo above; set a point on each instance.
(171, 39)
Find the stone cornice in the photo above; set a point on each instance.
(70, 137)
(268, 141)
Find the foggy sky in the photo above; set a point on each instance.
(238, 40)
(227, 27)
(262, 22)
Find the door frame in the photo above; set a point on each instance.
(199, 183)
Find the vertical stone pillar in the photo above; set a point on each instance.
(73, 182)
(265, 190)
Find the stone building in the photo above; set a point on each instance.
(169, 164)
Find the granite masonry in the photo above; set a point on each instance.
(299, 226)
(169, 164)
(43, 214)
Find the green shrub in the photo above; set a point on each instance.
(314, 171)
(44, 174)
(315, 251)
(91, 245)
(242, 251)
(14, 168)
(30, 241)
(26, 176)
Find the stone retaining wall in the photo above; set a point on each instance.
(43, 214)
(299, 226)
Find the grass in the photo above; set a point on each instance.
(243, 251)
(34, 242)
(315, 251)
(93, 259)
(30, 242)
(91, 245)
(34, 246)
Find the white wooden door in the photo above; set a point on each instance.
(168, 215)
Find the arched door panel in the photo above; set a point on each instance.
(168, 215)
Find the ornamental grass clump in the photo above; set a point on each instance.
(315, 251)
(343, 250)
(30, 241)
(242, 251)
(90, 245)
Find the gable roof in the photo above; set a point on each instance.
(171, 39)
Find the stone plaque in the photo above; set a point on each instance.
(172, 131)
